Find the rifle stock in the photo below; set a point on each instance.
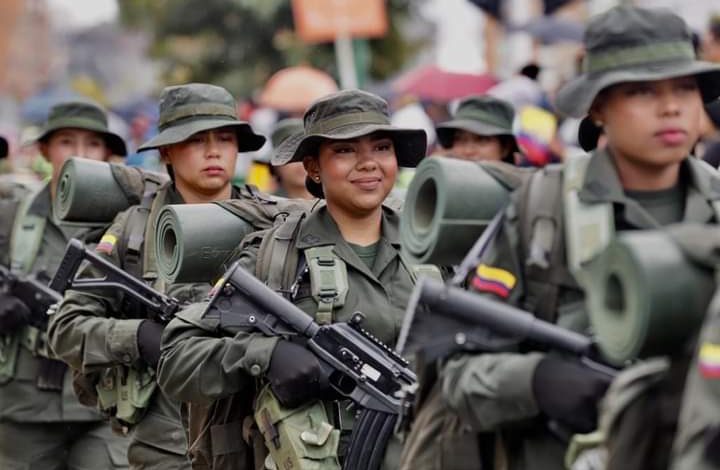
(158, 305)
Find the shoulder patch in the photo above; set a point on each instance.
(493, 280)
(107, 244)
(709, 360)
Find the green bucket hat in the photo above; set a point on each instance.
(82, 115)
(630, 44)
(346, 115)
(284, 129)
(188, 109)
(481, 115)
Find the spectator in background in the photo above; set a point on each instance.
(711, 41)
(522, 89)
(4, 163)
(480, 129)
(710, 144)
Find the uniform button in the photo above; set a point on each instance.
(126, 358)
(255, 370)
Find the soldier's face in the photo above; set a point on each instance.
(205, 162)
(471, 146)
(651, 124)
(356, 174)
(69, 142)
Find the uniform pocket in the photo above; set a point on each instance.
(159, 431)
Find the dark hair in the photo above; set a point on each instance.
(531, 71)
(714, 27)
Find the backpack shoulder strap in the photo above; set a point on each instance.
(277, 252)
(27, 234)
(588, 227)
(133, 236)
(540, 217)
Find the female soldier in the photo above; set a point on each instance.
(49, 428)
(104, 336)
(643, 85)
(480, 129)
(351, 154)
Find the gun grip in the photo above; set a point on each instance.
(66, 271)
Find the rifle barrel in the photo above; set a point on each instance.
(499, 317)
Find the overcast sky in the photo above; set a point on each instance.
(81, 13)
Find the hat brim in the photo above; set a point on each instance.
(446, 131)
(114, 142)
(410, 144)
(248, 140)
(576, 97)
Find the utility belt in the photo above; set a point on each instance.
(50, 373)
(124, 394)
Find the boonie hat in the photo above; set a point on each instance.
(631, 44)
(481, 115)
(82, 115)
(346, 115)
(188, 109)
(284, 129)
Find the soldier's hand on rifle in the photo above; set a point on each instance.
(13, 313)
(148, 338)
(294, 374)
(568, 392)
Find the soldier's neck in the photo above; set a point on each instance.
(642, 177)
(360, 229)
(193, 196)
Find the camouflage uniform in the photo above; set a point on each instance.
(203, 363)
(93, 332)
(49, 429)
(494, 392)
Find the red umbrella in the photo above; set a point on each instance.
(432, 83)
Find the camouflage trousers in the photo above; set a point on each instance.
(61, 446)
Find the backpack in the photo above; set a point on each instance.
(540, 206)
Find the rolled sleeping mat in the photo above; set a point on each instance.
(193, 240)
(645, 297)
(447, 206)
(90, 191)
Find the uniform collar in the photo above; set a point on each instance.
(602, 184)
(320, 229)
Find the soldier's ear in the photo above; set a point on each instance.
(43, 147)
(312, 166)
(164, 157)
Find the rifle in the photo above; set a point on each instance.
(458, 320)
(37, 296)
(158, 305)
(357, 364)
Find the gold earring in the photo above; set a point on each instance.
(317, 179)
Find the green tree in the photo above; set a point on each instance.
(240, 43)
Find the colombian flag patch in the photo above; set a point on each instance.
(107, 243)
(709, 360)
(494, 280)
(217, 286)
